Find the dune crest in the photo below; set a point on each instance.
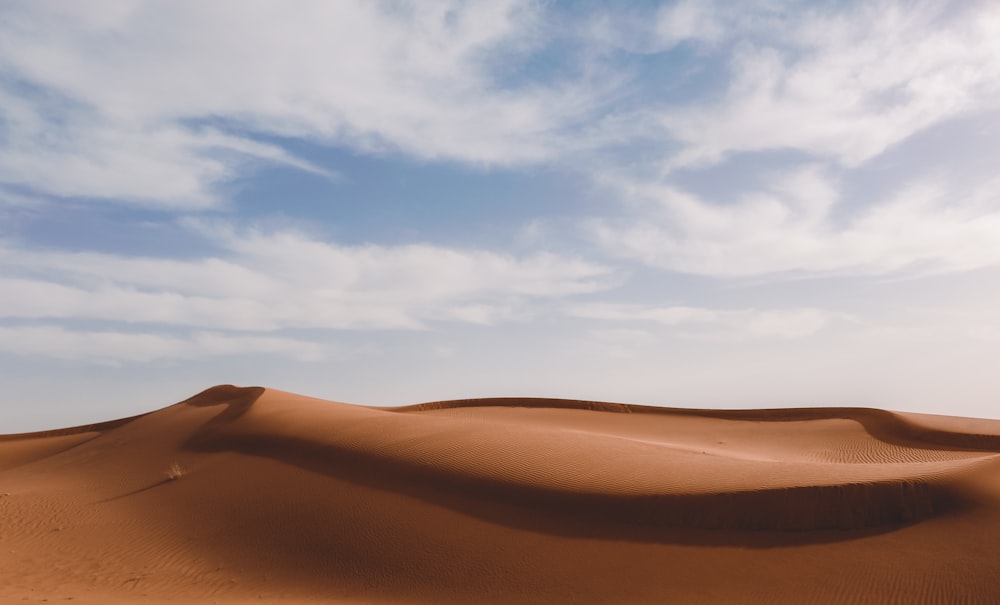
(250, 492)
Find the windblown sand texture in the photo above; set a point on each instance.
(282, 498)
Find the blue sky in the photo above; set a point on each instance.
(705, 204)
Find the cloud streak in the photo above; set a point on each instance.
(280, 280)
(740, 323)
(113, 347)
(927, 226)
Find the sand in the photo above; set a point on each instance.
(281, 498)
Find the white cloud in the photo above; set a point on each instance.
(844, 84)
(133, 101)
(689, 20)
(117, 347)
(59, 147)
(927, 226)
(107, 100)
(780, 323)
(273, 281)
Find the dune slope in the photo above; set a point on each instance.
(250, 494)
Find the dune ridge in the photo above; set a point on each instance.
(496, 474)
(294, 499)
(881, 424)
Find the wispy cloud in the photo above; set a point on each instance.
(114, 98)
(927, 226)
(156, 166)
(160, 103)
(275, 280)
(765, 323)
(119, 347)
(844, 80)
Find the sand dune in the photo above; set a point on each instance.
(289, 499)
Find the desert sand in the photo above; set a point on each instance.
(248, 495)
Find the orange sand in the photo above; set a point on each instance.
(288, 499)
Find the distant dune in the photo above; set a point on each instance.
(241, 495)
